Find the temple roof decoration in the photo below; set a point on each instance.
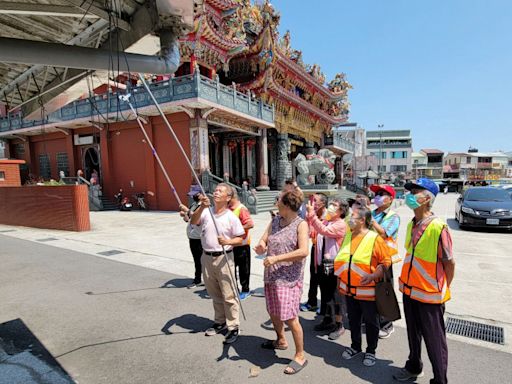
(242, 40)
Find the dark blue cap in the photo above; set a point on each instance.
(423, 183)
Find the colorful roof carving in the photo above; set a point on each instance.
(242, 40)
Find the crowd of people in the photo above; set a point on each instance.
(353, 249)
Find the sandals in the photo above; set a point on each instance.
(369, 360)
(272, 344)
(295, 367)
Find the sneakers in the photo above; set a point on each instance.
(325, 325)
(349, 353)
(308, 307)
(369, 360)
(335, 335)
(231, 337)
(404, 375)
(386, 332)
(195, 285)
(244, 295)
(216, 328)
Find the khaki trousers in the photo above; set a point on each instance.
(217, 279)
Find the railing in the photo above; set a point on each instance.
(174, 89)
(338, 140)
(94, 191)
(355, 188)
(247, 197)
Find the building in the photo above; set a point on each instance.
(393, 149)
(508, 170)
(476, 166)
(428, 163)
(242, 102)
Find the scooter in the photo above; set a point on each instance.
(141, 202)
(123, 202)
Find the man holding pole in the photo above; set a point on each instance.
(218, 239)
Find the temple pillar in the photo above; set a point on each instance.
(199, 150)
(284, 165)
(193, 61)
(263, 161)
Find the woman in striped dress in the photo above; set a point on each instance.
(286, 243)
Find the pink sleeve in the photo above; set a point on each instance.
(335, 230)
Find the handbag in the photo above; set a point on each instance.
(328, 266)
(385, 298)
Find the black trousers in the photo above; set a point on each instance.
(242, 256)
(357, 311)
(313, 280)
(328, 286)
(426, 321)
(197, 251)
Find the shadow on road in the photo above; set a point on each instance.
(177, 283)
(194, 324)
(454, 226)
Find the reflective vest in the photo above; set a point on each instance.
(351, 268)
(392, 243)
(423, 276)
(247, 238)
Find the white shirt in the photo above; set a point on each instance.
(229, 227)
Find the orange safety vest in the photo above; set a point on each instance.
(423, 276)
(351, 268)
(247, 238)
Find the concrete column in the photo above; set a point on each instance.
(199, 148)
(284, 166)
(106, 172)
(70, 149)
(263, 161)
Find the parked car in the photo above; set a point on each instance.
(506, 187)
(484, 207)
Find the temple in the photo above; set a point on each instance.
(246, 108)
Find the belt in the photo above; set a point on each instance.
(216, 254)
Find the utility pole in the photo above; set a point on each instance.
(380, 151)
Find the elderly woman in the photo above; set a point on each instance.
(329, 237)
(286, 243)
(363, 258)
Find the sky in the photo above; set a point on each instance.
(441, 68)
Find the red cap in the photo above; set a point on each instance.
(383, 187)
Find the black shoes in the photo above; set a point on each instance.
(231, 336)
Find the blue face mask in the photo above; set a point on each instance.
(411, 201)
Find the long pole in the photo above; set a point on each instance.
(198, 182)
(380, 151)
(126, 98)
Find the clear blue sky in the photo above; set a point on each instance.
(441, 68)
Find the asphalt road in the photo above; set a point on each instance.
(102, 321)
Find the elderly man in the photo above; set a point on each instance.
(217, 276)
(427, 273)
(386, 222)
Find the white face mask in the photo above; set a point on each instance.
(332, 209)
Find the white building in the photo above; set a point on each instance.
(476, 166)
(393, 149)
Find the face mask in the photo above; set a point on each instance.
(352, 223)
(378, 201)
(331, 209)
(411, 201)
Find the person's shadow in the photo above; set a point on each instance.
(177, 283)
(317, 344)
(248, 348)
(190, 323)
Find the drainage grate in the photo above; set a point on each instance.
(47, 239)
(474, 330)
(110, 253)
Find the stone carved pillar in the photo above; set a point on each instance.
(284, 165)
(263, 161)
(199, 149)
(309, 148)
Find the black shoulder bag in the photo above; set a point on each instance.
(385, 298)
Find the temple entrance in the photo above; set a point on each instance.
(91, 161)
(232, 155)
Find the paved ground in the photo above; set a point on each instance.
(102, 319)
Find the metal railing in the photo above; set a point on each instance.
(247, 197)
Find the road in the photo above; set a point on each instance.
(100, 317)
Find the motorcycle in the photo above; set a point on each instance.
(123, 202)
(141, 201)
